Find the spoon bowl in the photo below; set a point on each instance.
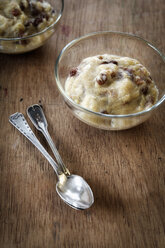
(75, 191)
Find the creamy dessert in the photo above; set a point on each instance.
(21, 18)
(111, 84)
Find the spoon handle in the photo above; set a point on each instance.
(19, 122)
(38, 119)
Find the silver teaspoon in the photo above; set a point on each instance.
(38, 119)
(72, 189)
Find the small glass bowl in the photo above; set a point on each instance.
(31, 42)
(115, 43)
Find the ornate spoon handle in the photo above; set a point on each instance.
(38, 119)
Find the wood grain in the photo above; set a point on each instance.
(125, 169)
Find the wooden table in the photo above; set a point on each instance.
(125, 169)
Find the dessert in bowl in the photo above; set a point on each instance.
(26, 24)
(111, 80)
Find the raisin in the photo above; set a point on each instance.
(113, 74)
(104, 62)
(16, 12)
(130, 70)
(104, 112)
(151, 99)
(139, 81)
(37, 21)
(73, 72)
(126, 102)
(21, 33)
(114, 62)
(144, 90)
(22, 7)
(34, 11)
(100, 82)
(27, 23)
(130, 73)
(108, 62)
(44, 15)
(25, 42)
(148, 81)
(132, 77)
(103, 79)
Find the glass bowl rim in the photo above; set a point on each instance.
(41, 32)
(81, 108)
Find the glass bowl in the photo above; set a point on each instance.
(115, 43)
(31, 42)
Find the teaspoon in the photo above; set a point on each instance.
(38, 119)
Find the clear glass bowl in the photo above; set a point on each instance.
(31, 42)
(116, 43)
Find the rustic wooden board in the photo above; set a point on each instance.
(125, 169)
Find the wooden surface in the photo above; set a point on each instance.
(125, 169)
